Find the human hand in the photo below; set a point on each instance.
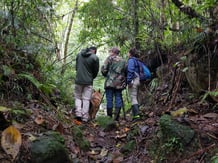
(130, 85)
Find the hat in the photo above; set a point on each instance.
(115, 50)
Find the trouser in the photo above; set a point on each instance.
(133, 93)
(112, 93)
(82, 94)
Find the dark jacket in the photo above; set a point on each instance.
(87, 67)
(132, 70)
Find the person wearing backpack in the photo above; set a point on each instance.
(114, 71)
(87, 67)
(133, 81)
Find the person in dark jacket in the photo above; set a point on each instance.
(87, 67)
(133, 81)
(114, 70)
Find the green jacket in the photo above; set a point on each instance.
(114, 69)
(87, 67)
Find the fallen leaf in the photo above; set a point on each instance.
(179, 112)
(92, 152)
(59, 127)
(120, 136)
(11, 141)
(4, 109)
(32, 138)
(211, 115)
(104, 152)
(118, 145)
(39, 120)
(126, 129)
(76, 122)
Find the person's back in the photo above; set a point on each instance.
(115, 77)
(114, 70)
(87, 66)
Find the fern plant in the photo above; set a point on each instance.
(45, 88)
(213, 94)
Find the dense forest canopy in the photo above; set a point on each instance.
(52, 32)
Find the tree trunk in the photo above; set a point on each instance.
(68, 33)
(135, 24)
(162, 19)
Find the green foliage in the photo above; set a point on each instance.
(172, 144)
(160, 151)
(172, 138)
(79, 138)
(104, 121)
(20, 115)
(64, 82)
(153, 84)
(133, 133)
(7, 70)
(27, 25)
(104, 22)
(214, 159)
(46, 88)
(128, 147)
(17, 112)
(210, 93)
(34, 29)
(161, 23)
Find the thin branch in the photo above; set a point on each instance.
(69, 30)
(187, 10)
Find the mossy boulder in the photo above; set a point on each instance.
(80, 139)
(128, 147)
(49, 148)
(171, 128)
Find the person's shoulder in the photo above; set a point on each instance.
(122, 59)
(94, 56)
(132, 59)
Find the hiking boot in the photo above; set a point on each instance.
(109, 112)
(135, 110)
(117, 114)
(136, 118)
(85, 120)
(78, 119)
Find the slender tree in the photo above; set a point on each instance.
(69, 30)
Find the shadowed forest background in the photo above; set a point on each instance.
(178, 41)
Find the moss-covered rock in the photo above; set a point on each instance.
(79, 138)
(49, 148)
(128, 147)
(171, 128)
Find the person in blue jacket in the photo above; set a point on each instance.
(133, 81)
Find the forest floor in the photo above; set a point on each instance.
(125, 141)
(109, 143)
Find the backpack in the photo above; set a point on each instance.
(144, 72)
(114, 69)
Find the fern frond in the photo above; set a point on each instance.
(45, 88)
(31, 78)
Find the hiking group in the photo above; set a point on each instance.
(118, 74)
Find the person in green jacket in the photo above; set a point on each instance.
(114, 71)
(87, 67)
